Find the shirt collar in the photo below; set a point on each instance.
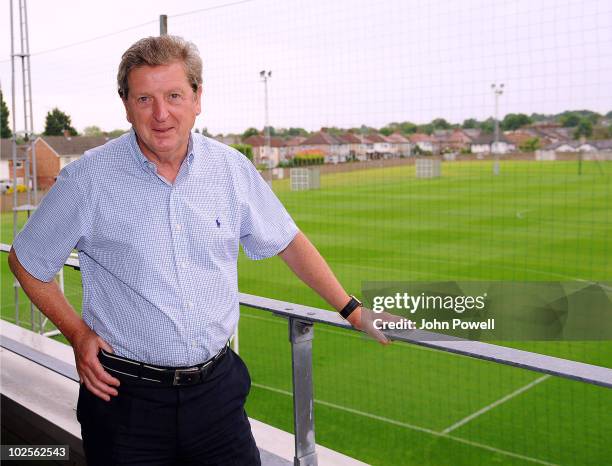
(146, 163)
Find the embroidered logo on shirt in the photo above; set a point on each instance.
(218, 223)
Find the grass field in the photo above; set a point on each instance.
(408, 405)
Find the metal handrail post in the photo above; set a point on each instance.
(300, 336)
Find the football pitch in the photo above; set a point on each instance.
(409, 405)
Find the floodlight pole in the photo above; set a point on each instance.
(163, 25)
(265, 75)
(497, 91)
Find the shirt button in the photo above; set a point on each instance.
(194, 344)
(178, 227)
(184, 265)
(190, 305)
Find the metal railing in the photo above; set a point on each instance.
(301, 320)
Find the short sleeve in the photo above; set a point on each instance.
(53, 230)
(266, 227)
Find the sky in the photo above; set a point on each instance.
(342, 63)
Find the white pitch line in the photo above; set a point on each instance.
(489, 407)
(411, 426)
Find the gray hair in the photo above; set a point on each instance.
(160, 50)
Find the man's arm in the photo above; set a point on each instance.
(48, 297)
(309, 266)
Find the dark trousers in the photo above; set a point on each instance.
(203, 424)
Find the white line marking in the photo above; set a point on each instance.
(411, 426)
(481, 411)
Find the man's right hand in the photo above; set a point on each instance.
(86, 345)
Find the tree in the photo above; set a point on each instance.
(386, 131)
(426, 128)
(488, 126)
(569, 119)
(92, 131)
(5, 131)
(245, 149)
(440, 123)
(57, 122)
(407, 127)
(116, 133)
(206, 133)
(584, 128)
(530, 145)
(297, 132)
(249, 132)
(470, 123)
(514, 121)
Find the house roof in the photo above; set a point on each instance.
(295, 141)
(458, 136)
(398, 138)
(420, 137)
(376, 137)
(556, 145)
(322, 138)
(257, 140)
(74, 145)
(518, 137)
(601, 144)
(349, 138)
(486, 138)
(6, 150)
(472, 132)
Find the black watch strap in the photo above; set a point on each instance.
(353, 304)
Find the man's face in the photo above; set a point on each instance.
(162, 107)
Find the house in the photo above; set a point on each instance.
(383, 148)
(292, 146)
(549, 132)
(520, 137)
(403, 147)
(267, 155)
(357, 149)
(333, 148)
(67, 148)
(423, 141)
(563, 146)
(452, 140)
(485, 144)
(52, 154)
(6, 161)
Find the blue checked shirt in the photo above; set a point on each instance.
(158, 260)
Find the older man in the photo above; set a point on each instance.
(157, 216)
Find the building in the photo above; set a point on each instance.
(383, 148)
(52, 154)
(266, 155)
(334, 149)
(403, 147)
(424, 142)
(485, 144)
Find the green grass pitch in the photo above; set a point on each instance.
(407, 405)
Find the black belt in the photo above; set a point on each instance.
(130, 370)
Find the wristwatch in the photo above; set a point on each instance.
(353, 304)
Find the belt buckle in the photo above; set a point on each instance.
(187, 376)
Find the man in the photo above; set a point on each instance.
(157, 216)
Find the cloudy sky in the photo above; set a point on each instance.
(334, 63)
